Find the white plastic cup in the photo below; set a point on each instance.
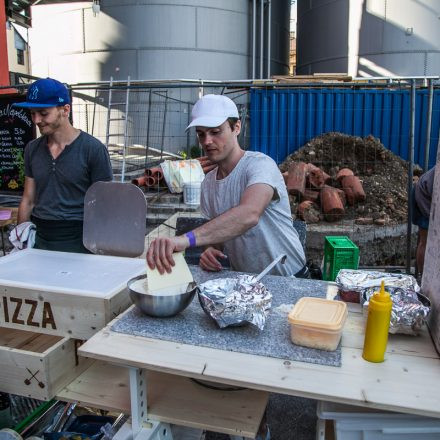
(191, 193)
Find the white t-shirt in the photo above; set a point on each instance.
(273, 235)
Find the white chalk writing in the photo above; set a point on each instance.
(20, 114)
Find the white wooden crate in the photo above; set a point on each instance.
(64, 294)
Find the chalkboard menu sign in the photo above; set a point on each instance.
(16, 130)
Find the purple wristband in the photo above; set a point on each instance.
(192, 238)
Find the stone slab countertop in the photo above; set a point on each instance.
(194, 327)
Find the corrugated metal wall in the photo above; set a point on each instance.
(283, 120)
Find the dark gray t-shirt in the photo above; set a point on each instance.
(61, 183)
(274, 234)
(423, 192)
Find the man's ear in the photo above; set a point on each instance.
(237, 128)
(66, 110)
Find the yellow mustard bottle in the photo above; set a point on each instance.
(378, 323)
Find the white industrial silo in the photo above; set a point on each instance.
(150, 39)
(157, 40)
(369, 37)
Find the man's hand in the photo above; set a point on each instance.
(160, 252)
(209, 259)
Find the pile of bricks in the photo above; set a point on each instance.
(151, 177)
(318, 194)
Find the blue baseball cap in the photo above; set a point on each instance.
(45, 92)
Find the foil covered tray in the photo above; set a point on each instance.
(236, 301)
(351, 280)
(410, 308)
(409, 312)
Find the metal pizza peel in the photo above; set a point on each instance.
(114, 219)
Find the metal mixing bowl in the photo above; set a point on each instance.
(161, 306)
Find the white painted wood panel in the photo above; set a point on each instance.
(100, 276)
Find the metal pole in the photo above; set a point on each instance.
(107, 131)
(261, 38)
(254, 35)
(164, 125)
(87, 115)
(188, 111)
(428, 124)
(94, 112)
(148, 128)
(124, 151)
(269, 13)
(410, 174)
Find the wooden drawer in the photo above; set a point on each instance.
(37, 365)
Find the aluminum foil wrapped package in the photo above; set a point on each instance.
(236, 301)
(409, 311)
(410, 307)
(359, 280)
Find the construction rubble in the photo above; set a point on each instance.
(336, 176)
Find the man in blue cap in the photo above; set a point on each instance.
(59, 167)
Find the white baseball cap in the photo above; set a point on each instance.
(212, 111)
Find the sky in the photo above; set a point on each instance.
(293, 16)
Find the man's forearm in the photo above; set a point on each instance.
(24, 212)
(27, 201)
(231, 224)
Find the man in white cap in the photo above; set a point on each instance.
(244, 198)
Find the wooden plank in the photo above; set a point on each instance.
(60, 314)
(171, 399)
(23, 373)
(354, 330)
(25, 340)
(41, 343)
(63, 365)
(117, 304)
(102, 385)
(321, 78)
(403, 383)
(15, 338)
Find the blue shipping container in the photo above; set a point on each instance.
(283, 120)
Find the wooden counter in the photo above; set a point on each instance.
(408, 381)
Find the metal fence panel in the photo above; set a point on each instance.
(156, 120)
(283, 120)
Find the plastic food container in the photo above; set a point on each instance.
(317, 323)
